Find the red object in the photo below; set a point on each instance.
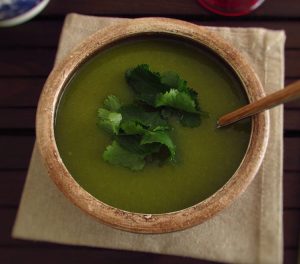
(231, 7)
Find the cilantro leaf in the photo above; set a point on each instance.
(133, 143)
(136, 120)
(108, 117)
(116, 155)
(194, 96)
(165, 90)
(145, 83)
(112, 103)
(176, 99)
(186, 119)
(109, 121)
(131, 127)
(172, 80)
(161, 137)
(140, 131)
(190, 119)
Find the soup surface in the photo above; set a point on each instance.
(207, 156)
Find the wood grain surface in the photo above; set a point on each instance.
(26, 57)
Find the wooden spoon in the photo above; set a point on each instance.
(289, 93)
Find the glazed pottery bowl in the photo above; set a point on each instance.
(139, 222)
(15, 12)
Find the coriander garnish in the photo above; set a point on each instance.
(140, 131)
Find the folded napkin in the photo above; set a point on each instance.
(249, 231)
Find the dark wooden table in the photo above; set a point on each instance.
(26, 57)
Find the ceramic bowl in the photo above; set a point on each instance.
(137, 222)
(15, 12)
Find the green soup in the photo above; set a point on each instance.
(208, 156)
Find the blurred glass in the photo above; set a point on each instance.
(231, 7)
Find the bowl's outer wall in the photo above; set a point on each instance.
(136, 222)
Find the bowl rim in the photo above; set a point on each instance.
(139, 222)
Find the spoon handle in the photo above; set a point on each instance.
(290, 92)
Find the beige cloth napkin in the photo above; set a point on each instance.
(249, 231)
